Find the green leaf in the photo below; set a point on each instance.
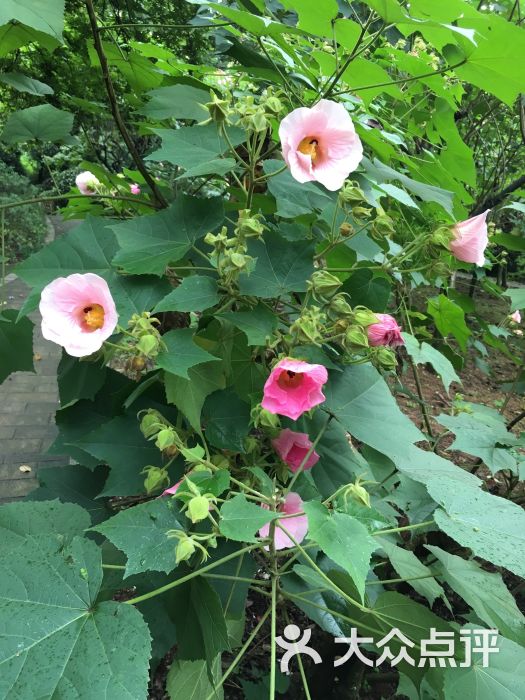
(408, 566)
(294, 198)
(257, 324)
(177, 102)
(141, 533)
(90, 247)
(120, 444)
(342, 538)
(492, 527)
(195, 293)
(188, 395)
(188, 680)
(47, 524)
(49, 612)
(314, 17)
(215, 166)
(74, 484)
(485, 592)
(240, 519)
(501, 679)
(481, 433)
(426, 354)
(16, 344)
(192, 146)
(149, 243)
(23, 83)
(517, 298)
(40, 123)
(281, 267)
(517, 206)
(200, 623)
(45, 15)
(181, 353)
(361, 401)
(78, 380)
(140, 73)
(449, 319)
(13, 36)
(226, 420)
(368, 290)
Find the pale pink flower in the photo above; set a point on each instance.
(172, 489)
(320, 143)
(78, 313)
(134, 188)
(294, 387)
(516, 317)
(86, 182)
(297, 527)
(385, 332)
(293, 447)
(471, 239)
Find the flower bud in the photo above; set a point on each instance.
(340, 307)
(383, 225)
(307, 328)
(151, 423)
(356, 336)
(184, 550)
(364, 317)
(443, 236)
(218, 109)
(262, 418)
(198, 509)
(386, 357)
(148, 344)
(324, 283)
(351, 194)
(165, 438)
(156, 479)
(358, 493)
(273, 104)
(249, 226)
(346, 229)
(361, 212)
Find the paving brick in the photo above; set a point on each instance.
(16, 488)
(6, 432)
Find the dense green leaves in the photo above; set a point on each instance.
(148, 244)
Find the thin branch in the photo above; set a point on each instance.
(164, 26)
(55, 197)
(115, 108)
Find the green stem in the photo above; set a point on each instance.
(2, 253)
(193, 574)
(221, 577)
(263, 178)
(273, 636)
(239, 656)
(113, 566)
(404, 528)
(400, 580)
(299, 663)
(164, 26)
(55, 197)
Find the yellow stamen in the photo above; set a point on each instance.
(289, 379)
(93, 316)
(310, 147)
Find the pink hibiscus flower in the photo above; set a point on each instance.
(172, 489)
(297, 527)
(78, 313)
(134, 188)
(516, 317)
(386, 332)
(294, 387)
(86, 182)
(320, 143)
(471, 239)
(293, 447)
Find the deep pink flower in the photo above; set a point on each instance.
(78, 313)
(471, 239)
(297, 527)
(86, 182)
(292, 448)
(294, 387)
(134, 188)
(386, 332)
(320, 143)
(516, 317)
(172, 489)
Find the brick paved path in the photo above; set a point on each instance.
(27, 407)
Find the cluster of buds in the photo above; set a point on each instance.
(143, 340)
(382, 225)
(155, 427)
(255, 115)
(230, 253)
(219, 109)
(309, 327)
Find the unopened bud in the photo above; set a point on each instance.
(361, 212)
(346, 229)
(165, 438)
(443, 236)
(324, 283)
(184, 550)
(356, 337)
(340, 307)
(218, 109)
(198, 508)
(364, 317)
(359, 494)
(264, 419)
(351, 194)
(156, 478)
(385, 357)
(148, 344)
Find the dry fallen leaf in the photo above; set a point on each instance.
(25, 468)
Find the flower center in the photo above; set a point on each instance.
(310, 147)
(93, 316)
(289, 379)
